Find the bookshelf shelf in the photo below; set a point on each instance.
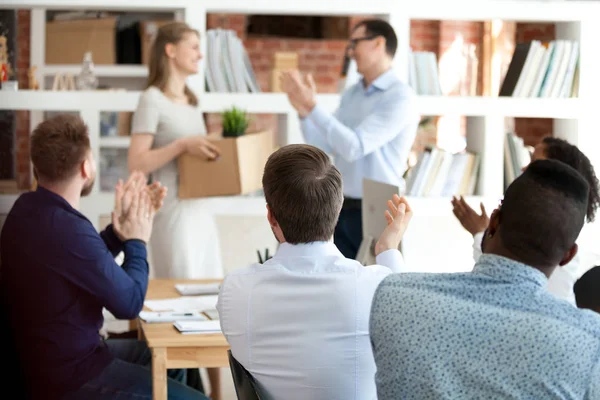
(102, 71)
(503, 106)
(277, 103)
(115, 142)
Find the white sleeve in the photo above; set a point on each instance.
(477, 239)
(145, 116)
(391, 259)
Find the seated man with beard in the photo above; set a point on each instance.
(57, 274)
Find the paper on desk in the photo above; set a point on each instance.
(190, 289)
(183, 304)
(195, 327)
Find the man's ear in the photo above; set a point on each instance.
(380, 40)
(86, 169)
(494, 223)
(569, 255)
(271, 217)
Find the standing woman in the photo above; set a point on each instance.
(166, 124)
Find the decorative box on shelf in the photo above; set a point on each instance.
(238, 170)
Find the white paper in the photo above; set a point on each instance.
(183, 304)
(190, 327)
(197, 288)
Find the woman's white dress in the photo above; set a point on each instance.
(185, 240)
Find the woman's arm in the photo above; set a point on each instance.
(142, 157)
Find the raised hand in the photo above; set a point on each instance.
(398, 217)
(137, 224)
(468, 218)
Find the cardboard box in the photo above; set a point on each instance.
(283, 60)
(67, 41)
(148, 31)
(238, 170)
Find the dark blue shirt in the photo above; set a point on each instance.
(56, 275)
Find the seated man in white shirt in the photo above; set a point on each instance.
(299, 323)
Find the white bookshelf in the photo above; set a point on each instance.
(101, 71)
(574, 118)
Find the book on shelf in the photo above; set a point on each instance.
(423, 74)
(439, 173)
(543, 69)
(516, 157)
(228, 67)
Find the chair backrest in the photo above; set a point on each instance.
(245, 386)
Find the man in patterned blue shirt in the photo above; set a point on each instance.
(496, 332)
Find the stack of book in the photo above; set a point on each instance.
(549, 70)
(228, 67)
(516, 157)
(441, 173)
(423, 73)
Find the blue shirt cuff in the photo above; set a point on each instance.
(135, 248)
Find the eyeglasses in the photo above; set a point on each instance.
(353, 42)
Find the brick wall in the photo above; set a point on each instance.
(22, 117)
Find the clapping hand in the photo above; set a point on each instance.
(301, 92)
(125, 193)
(468, 218)
(398, 217)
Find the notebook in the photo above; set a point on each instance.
(191, 289)
(198, 327)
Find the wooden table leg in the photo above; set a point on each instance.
(159, 374)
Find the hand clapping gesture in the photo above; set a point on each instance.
(398, 217)
(136, 204)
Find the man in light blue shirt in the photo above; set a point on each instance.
(496, 332)
(371, 133)
(299, 323)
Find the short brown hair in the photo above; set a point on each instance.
(304, 192)
(58, 146)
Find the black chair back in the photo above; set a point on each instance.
(245, 386)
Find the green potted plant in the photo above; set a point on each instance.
(235, 122)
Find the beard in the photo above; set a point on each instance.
(87, 189)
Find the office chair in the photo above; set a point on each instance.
(245, 386)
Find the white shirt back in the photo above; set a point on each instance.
(299, 323)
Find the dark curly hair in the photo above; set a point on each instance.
(561, 150)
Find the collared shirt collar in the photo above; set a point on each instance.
(313, 249)
(383, 81)
(509, 270)
(59, 200)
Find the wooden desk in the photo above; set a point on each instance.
(171, 349)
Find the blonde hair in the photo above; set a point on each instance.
(158, 74)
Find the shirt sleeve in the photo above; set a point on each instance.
(391, 259)
(477, 240)
(112, 242)
(145, 116)
(313, 135)
(394, 112)
(88, 264)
